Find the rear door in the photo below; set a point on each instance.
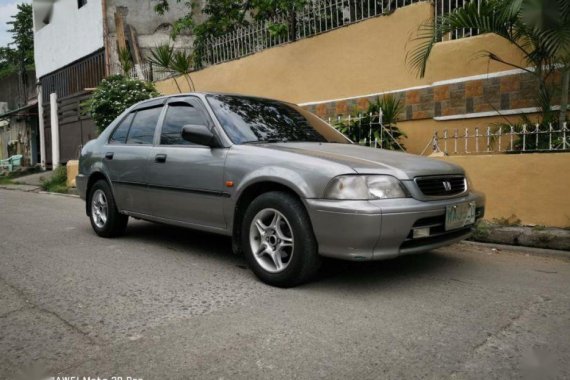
(186, 180)
(127, 158)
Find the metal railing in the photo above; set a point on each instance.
(145, 71)
(510, 139)
(444, 7)
(318, 16)
(369, 129)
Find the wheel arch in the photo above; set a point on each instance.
(247, 195)
(93, 178)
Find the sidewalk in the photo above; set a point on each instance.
(34, 179)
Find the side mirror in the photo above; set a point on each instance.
(199, 134)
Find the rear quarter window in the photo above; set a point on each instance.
(143, 126)
(120, 133)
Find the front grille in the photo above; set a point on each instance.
(441, 186)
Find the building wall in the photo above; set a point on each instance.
(151, 28)
(22, 132)
(71, 34)
(339, 72)
(529, 187)
(355, 61)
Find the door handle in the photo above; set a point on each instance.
(109, 155)
(160, 158)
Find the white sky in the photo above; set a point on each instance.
(7, 9)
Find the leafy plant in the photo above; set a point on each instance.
(57, 183)
(482, 231)
(538, 135)
(115, 94)
(178, 62)
(539, 29)
(377, 124)
(125, 60)
(161, 56)
(224, 16)
(182, 64)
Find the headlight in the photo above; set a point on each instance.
(364, 187)
(469, 183)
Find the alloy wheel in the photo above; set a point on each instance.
(271, 240)
(99, 208)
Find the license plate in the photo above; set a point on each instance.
(460, 215)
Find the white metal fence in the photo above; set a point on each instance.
(145, 71)
(316, 17)
(510, 139)
(444, 7)
(369, 130)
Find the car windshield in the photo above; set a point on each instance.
(254, 120)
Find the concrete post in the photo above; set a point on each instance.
(54, 131)
(41, 127)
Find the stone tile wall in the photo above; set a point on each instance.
(509, 92)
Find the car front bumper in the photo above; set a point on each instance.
(381, 229)
(81, 183)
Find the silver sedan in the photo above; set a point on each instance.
(286, 186)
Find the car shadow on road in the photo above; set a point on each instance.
(333, 272)
(364, 274)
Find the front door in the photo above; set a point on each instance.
(186, 180)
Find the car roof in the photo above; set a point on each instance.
(162, 99)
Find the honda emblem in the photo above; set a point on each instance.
(447, 185)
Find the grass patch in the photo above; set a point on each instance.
(511, 221)
(5, 180)
(482, 230)
(58, 181)
(11, 178)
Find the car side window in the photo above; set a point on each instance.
(143, 126)
(119, 135)
(177, 116)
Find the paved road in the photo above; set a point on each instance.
(165, 303)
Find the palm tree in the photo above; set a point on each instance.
(126, 61)
(539, 29)
(178, 62)
(181, 63)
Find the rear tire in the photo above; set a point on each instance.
(277, 240)
(105, 219)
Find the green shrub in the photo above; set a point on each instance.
(57, 183)
(367, 127)
(482, 230)
(114, 95)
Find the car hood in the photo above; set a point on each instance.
(365, 160)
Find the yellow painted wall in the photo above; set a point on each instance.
(530, 187)
(363, 58)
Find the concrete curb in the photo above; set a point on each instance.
(525, 236)
(521, 249)
(19, 187)
(59, 194)
(34, 189)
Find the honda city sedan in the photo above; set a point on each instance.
(285, 185)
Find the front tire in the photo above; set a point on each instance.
(278, 241)
(105, 219)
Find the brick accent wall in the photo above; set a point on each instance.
(509, 92)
